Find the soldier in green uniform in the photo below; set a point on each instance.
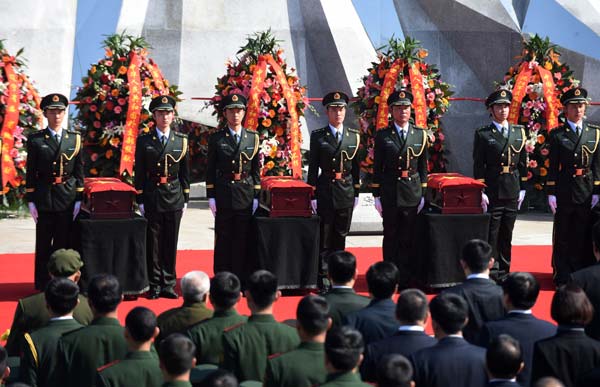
(500, 161)
(31, 312)
(140, 365)
(399, 182)
(573, 186)
(305, 365)
(333, 151)
(81, 352)
(207, 335)
(232, 186)
(246, 347)
(38, 360)
(176, 354)
(163, 185)
(195, 287)
(343, 353)
(54, 183)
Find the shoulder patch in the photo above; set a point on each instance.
(73, 131)
(518, 126)
(320, 130)
(251, 131)
(275, 355)
(353, 130)
(594, 126)
(181, 134)
(229, 329)
(112, 363)
(37, 133)
(418, 127)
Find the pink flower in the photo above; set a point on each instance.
(430, 96)
(438, 91)
(533, 164)
(108, 63)
(122, 101)
(526, 112)
(231, 72)
(558, 75)
(529, 148)
(441, 136)
(117, 110)
(97, 124)
(544, 151)
(94, 156)
(529, 104)
(13, 153)
(93, 108)
(537, 126)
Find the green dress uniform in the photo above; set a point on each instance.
(343, 301)
(81, 352)
(500, 161)
(39, 361)
(178, 320)
(54, 182)
(177, 383)
(338, 184)
(207, 335)
(140, 368)
(573, 177)
(301, 367)
(246, 347)
(344, 379)
(31, 314)
(233, 180)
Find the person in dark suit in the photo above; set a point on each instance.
(521, 291)
(305, 365)
(412, 313)
(500, 161)
(570, 353)
(573, 186)
(377, 320)
(343, 353)
(589, 280)
(233, 186)
(548, 381)
(342, 298)
(399, 182)
(452, 361)
(176, 356)
(54, 183)
(482, 294)
(162, 182)
(394, 370)
(333, 152)
(504, 361)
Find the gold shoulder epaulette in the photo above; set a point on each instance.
(594, 126)
(184, 135)
(353, 130)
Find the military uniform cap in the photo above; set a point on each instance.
(54, 101)
(498, 97)
(336, 98)
(233, 101)
(400, 97)
(574, 95)
(64, 262)
(162, 102)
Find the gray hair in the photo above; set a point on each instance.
(195, 285)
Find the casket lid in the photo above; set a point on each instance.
(101, 184)
(445, 180)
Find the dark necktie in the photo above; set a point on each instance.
(237, 138)
(338, 136)
(578, 130)
(505, 132)
(163, 140)
(57, 138)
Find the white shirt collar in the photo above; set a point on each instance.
(500, 126)
(341, 287)
(573, 125)
(412, 328)
(520, 311)
(456, 336)
(478, 275)
(55, 132)
(233, 132)
(334, 130)
(160, 133)
(503, 380)
(399, 128)
(61, 318)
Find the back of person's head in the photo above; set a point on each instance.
(522, 289)
(61, 295)
(177, 354)
(343, 348)
(382, 278)
(449, 311)
(476, 254)
(504, 358)
(341, 267)
(262, 286)
(220, 378)
(141, 324)
(225, 290)
(195, 286)
(548, 381)
(105, 293)
(313, 314)
(411, 306)
(4, 370)
(394, 370)
(570, 306)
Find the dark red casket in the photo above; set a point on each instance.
(107, 198)
(285, 196)
(454, 193)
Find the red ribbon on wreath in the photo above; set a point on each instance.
(11, 118)
(132, 121)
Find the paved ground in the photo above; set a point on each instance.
(17, 235)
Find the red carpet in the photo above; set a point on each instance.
(16, 280)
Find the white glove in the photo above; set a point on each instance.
(421, 205)
(76, 209)
(595, 199)
(521, 198)
(484, 202)
(212, 204)
(254, 205)
(552, 203)
(184, 207)
(355, 202)
(378, 206)
(33, 211)
(141, 207)
(313, 204)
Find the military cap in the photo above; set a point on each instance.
(336, 98)
(162, 102)
(400, 97)
(54, 101)
(64, 262)
(574, 95)
(233, 101)
(498, 97)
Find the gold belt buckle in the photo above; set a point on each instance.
(163, 180)
(506, 169)
(237, 176)
(58, 180)
(404, 174)
(338, 175)
(578, 171)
